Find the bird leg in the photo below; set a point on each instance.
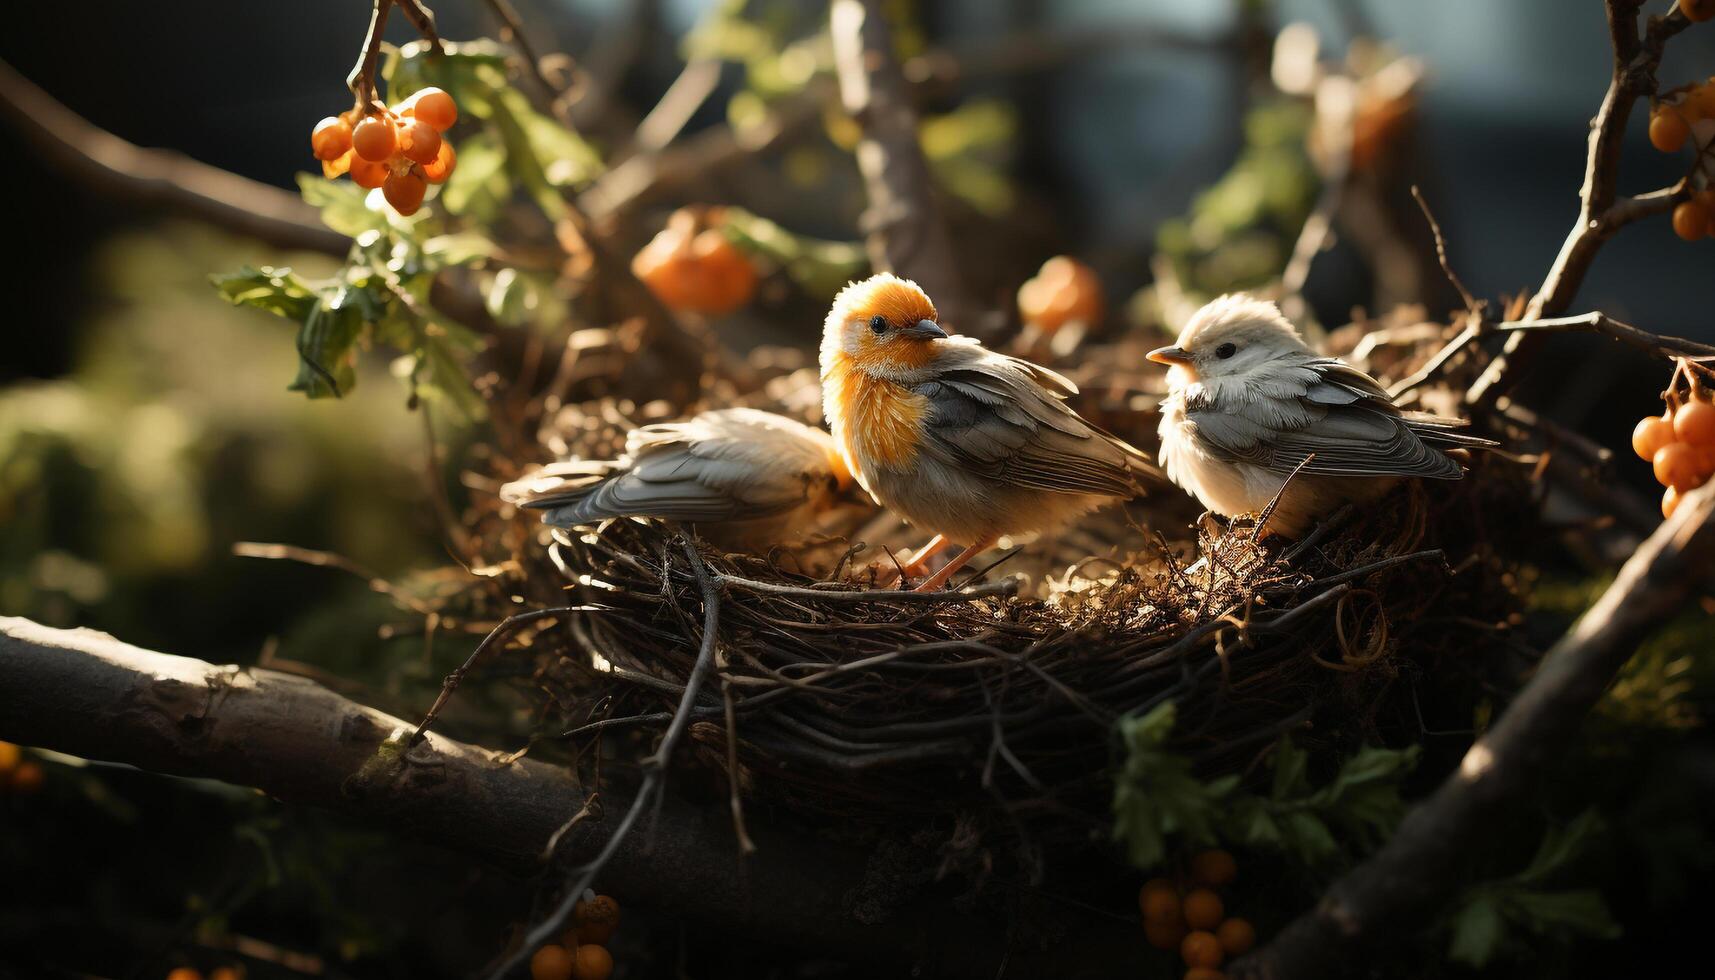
(941, 577)
(917, 564)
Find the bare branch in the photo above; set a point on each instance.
(1602, 211)
(904, 227)
(160, 177)
(1424, 860)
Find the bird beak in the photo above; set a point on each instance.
(924, 330)
(1170, 355)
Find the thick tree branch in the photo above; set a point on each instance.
(1423, 863)
(85, 693)
(904, 228)
(114, 166)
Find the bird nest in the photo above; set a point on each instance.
(797, 683)
(817, 692)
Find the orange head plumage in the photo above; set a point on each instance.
(880, 334)
(883, 324)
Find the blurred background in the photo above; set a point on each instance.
(146, 429)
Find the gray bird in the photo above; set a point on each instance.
(747, 479)
(1249, 402)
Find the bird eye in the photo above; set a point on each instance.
(878, 323)
(1225, 351)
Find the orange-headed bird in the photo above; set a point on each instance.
(957, 439)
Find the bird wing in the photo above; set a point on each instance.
(726, 465)
(1007, 419)
(1325, 407)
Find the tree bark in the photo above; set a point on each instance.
(904, 229)
(85, 693)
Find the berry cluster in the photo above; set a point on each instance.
(1687, 116)
(1194, 921)
(582, 953)
(1679, 444)
(399, 150)
(694, 268)
(1063, 291)
(18, 774)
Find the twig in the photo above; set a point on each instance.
(1472, 306)
(654, 773)
(161, 177)
(512, 29)
(423, 19)
(904, 226)
(361, 81)
(1602, 212)
(1424, 860)
(506, 628)
(678, 104)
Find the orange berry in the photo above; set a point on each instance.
(226, 973)
(1062, 291)
(1676, 465)
(419, 141)
(728, 278)
(1161, 905)
(405, 192)
(1237, 936)
(375, 138)
(184, 973)
(1669, 502)
(1201, 949)
(592, 962)
(436, 108)
(1164, 935)
(338, 165)
(551, 963)
(368, 173)
(1667, 129)
(1652, 433)
(9, 756)
(1204, 909)
(1697, 10)
(1204, 973)
(330, 139)
(1695, 423)
(1215, 867)
(27, 778)
(597, 919)
(1690, 221)
(439, 169)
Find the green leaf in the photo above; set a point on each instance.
(326, 342)
(1562, 845)
(277, 290)
(1477, 931)
(1156, 795)
(479, 185)
(459, 248)
(1581, 910)
(341, 203)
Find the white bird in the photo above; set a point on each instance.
(1249, 401)
(747, 479)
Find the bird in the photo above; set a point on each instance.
(745, 478)
(961, 441)
(1249, 403)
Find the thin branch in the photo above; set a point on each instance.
(654, 774)
(1658, 345)
(1602, 211)
(905, 229)
(423, 19)
(361, 81)
(113, 166)
(1424, 861)
(1472, 306)
(678, 104)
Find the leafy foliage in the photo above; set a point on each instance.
(1490, 913)
(1158, 799)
